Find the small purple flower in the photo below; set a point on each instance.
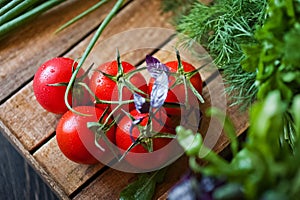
(160, 73)
(140, 103)
(159, 90)
(155, 67)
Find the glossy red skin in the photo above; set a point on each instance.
(106, 89)
(123, 141)
(72, 128)
(177, 94)
(56, 70)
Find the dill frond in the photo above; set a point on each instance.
(177, 7)
(222, 28)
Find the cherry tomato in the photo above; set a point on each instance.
(107, 89)
(54, 71)
(139, 156)
(178, 93)
(76, 141)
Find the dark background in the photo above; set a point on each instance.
(18, 180)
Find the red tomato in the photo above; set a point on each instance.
(139, 156)
(178, 93)
(53, 71)
(107, 89)
(76, 141)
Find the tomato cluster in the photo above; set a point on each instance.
(115, 112)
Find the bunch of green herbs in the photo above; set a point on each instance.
(222, 27)
(275, 58)
(262, 168)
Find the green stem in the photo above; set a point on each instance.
(115, 102)
(10, 5)
(12, 24)
(180, 67)
(186, 103)
(4, 2)
(120, 67)
(78, 17)
(92, 43)
(100, 100)
(17, 10)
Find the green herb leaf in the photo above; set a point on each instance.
(144, 187)
(223, 28)
(296, 114)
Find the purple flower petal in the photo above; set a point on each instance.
(155, 67)
(140, 103)
(159, 91)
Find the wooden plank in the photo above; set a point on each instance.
(107, 185)
(28, 121)
(33, 162)
(18, 179)
(113, 180)
(24, 50)
(68, 174)
(135, 32)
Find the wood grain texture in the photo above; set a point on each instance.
(113, 180)
(68, 174)
(26, 49)
(18, 179)
(26, 119)
(33, 162)
(107, 186)
(136, 31)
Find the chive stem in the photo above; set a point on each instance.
(92, 43)
(12, 24)
(10, 5)
(17, 10)
(78, 17)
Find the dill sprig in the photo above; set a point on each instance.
(177, 7)
(222, 28)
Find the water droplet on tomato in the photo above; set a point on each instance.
(52, 70)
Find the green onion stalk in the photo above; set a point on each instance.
(13, 17)
(89, 48)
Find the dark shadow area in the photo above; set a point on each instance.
(18, 180)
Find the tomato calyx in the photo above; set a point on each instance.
(183, 77)
(147, 134)
(123, 81)
(149, 109)
(100, 129)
